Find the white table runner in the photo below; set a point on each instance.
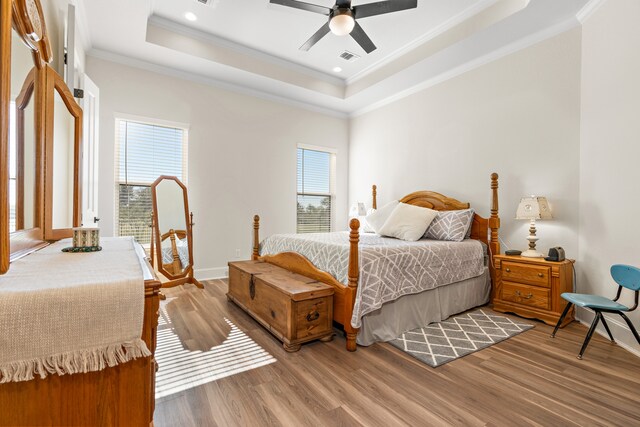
(69, 313)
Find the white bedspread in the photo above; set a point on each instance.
(389, 268)
(67, 313)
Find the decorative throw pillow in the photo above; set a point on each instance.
(467, 235)
(377, 218)
(450, 225)
(408, 222)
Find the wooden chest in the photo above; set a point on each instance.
(292, 307)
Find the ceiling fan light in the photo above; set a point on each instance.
(342, 22)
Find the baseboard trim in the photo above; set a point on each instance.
(618, 329)
(211, 273)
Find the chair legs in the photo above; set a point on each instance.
(592, 329)
(633, 329)
(564, 314)
(606, 327)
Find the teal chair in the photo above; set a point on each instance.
(625, 276)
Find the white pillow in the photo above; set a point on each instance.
(377, 218)
(408, 222)
(364, 225)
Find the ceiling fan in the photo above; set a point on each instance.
(343, 18)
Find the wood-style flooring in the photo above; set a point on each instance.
(530, 379)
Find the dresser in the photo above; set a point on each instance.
(531, 287)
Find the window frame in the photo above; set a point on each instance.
(120, 117)
(332, 180)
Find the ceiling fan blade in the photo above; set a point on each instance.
(316, 37)
(378, 8)
(304, 6)
(362, 38)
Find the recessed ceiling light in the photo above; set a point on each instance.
(190, 16)
(337, 69)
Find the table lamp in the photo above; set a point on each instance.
(532, 208)
(357, 210)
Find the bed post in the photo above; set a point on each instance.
(374, 197)
(353, 275)
(256, 238)
(494, 225)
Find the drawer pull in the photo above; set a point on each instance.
(540, 275)
(313, 315)
(529, 295)
(508, 270)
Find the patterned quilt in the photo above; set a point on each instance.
(389, 268)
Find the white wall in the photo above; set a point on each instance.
(518, 116)
(242, 156)
(610, 153)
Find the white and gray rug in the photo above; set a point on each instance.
(442, 342)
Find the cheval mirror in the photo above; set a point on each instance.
(172, 237)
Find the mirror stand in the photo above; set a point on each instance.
(173, 235)
(172, 232)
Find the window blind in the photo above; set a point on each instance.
(144, 152)
(314, 198)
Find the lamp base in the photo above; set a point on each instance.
(531, 253)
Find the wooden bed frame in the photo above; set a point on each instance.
(483, 229)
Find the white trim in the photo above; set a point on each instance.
(439, 29)
(245, 50)
(231, 87)
(150, 121)
(318, 148)
(509, 49)
(618, 329)
(211, 273)
(589, 9)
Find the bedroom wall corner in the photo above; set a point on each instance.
(609, 155)
(518, 116)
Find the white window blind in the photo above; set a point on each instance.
(315, 190)
(144, 151)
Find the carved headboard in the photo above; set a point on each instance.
(483, 229)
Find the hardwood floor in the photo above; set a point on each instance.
(530, 379)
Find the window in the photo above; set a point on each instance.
(144, 151)
(315, 190)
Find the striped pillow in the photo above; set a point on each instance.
(450, 225)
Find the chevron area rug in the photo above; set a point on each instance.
(442, 342)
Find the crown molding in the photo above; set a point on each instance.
(244, 50)
(509, 49)
(589, 10)
(185, 75)
(436, 31)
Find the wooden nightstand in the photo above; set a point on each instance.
(531, 287)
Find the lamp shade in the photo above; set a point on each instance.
(357, 210)
(533, 207)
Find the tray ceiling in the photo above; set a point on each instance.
(252, 45)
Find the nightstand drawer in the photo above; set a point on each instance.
(526, 273)
(533, 296)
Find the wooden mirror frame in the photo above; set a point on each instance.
(26, 18)
(55, 83)
(187, 276)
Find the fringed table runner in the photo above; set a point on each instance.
(69, 313)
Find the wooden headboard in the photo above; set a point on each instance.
(483, 229)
